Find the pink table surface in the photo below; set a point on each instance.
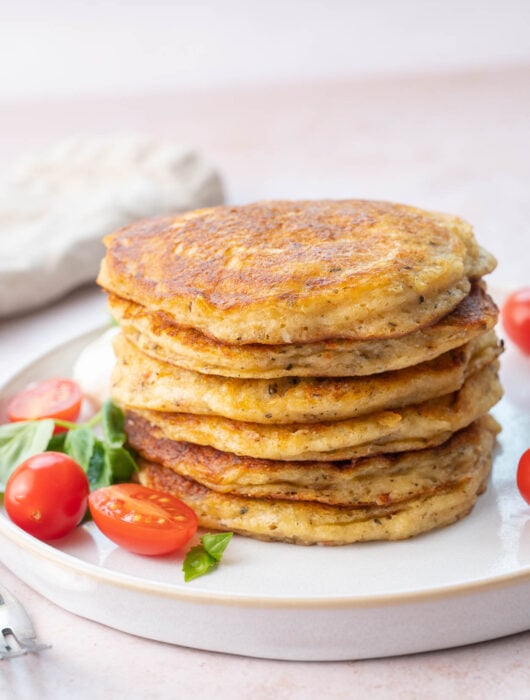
(457, 143)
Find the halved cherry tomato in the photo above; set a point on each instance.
(47, 495)
(523, 476)
(52, 398)
(516, 318)
(142, 520)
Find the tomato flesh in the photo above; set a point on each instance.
(47, 495)
(52, 398)
(516, 318)
(142, 520)
(523, 476)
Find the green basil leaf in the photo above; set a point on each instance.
(120, 463)
(215, 545)
(79, 445)
(98, 471)
(113, 422)
(205, 556)
(18, 441)
(197, 563)
(56, 443)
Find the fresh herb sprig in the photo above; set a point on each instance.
(104, 459)
(205, 556)
(19, 441)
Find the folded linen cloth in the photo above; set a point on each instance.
(56, 206)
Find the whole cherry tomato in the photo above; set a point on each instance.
(47, 495)
(523, 476)
(516, 318)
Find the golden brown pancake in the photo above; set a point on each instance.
(311, 372)
(309, 522)
(155, 334)
(412, 427)
(142, 382)
(385, 479)
(290, 272)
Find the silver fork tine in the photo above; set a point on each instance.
(15, 625)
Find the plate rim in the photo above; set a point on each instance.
(56, 556)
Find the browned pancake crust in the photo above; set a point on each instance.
(275, 272)
(157, 335)
(410, 428)
(310, 522)
(142, 382)
(381, 480)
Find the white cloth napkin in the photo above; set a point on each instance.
(56, 206)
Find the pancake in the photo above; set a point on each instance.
(309, 522)
(412, 427)
(139, 381)
(297, 272)
(310, 372)
(155, 334)
(386, 479)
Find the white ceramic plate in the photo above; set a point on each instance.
(466, 583)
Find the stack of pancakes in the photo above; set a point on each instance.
(312, 372)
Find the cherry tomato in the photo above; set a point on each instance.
(52, 398)
(523, 476)
(142, 520)
(516, 318)
(47, 495)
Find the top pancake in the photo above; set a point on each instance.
(287, 272)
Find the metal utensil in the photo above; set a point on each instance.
(17, 635)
